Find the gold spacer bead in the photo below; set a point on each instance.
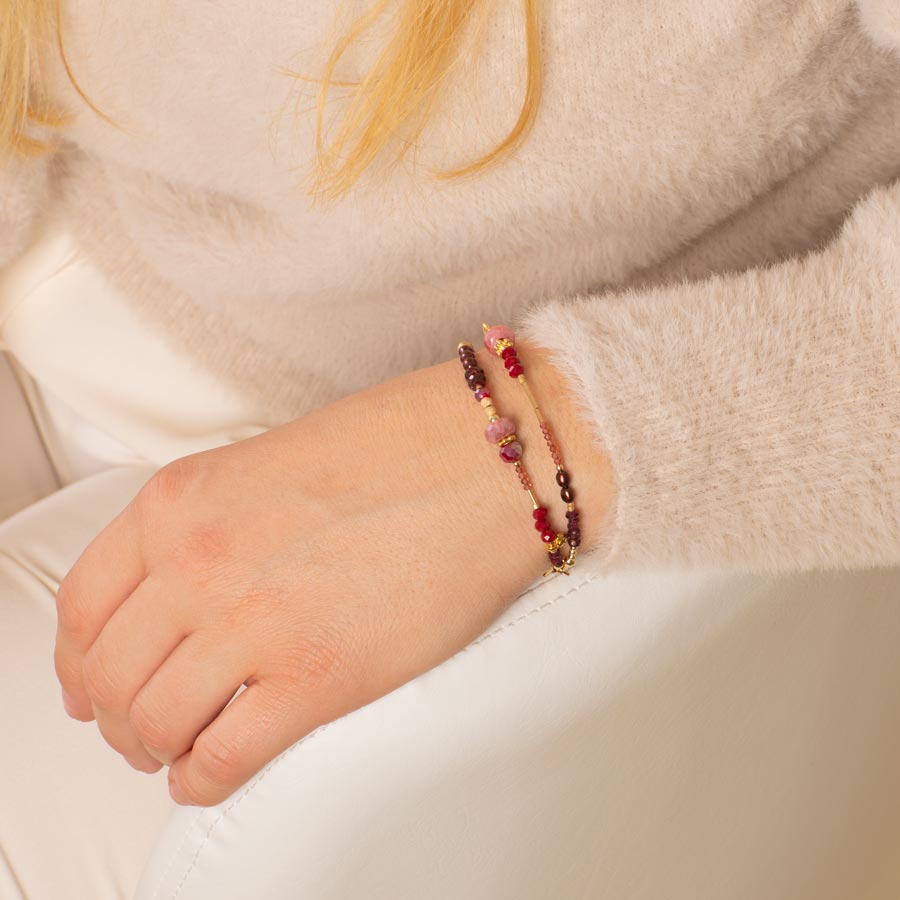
(462, 344)
(501, 345)
(507, 440)
(556, 543)
(570, 506)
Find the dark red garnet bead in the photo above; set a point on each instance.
(511, 361)
(540, 513)
(507, 352)
(516, 371)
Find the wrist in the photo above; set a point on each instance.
(583, 458)
(589, 467)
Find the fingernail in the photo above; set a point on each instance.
(176, 793)
(68, 703)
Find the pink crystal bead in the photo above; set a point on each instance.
(495, 333)
(511, 452)
(499, 429)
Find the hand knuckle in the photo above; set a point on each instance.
(173, 481)
(103, 685)
(68, 671)
(73, 610)
(217, 762)
(200, 792)
(151, 730)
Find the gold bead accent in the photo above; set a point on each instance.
(462, 344)
(570, 507)
(507, 440)
(501, 345)
(556, 543)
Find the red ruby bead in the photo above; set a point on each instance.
(511, 452)
(509, 351)
(540, 512)
(548, 535)
(516, 371)
(511, 361)
(541, 525)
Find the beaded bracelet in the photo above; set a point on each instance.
(502, 431)
(500, 340)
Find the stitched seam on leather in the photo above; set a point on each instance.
(174, 856)
(249, 788)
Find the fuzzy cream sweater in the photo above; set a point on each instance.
(703, 227)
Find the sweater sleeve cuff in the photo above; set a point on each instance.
(752, 420)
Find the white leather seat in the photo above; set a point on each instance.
(659, 736)
(656, 735)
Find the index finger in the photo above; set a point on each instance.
(107, 572)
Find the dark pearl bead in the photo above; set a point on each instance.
(567, 495)
(540, 512)
(516, 371)
(562, 478)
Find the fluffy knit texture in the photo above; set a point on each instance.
(703, 229)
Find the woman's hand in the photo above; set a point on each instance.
(321, 564)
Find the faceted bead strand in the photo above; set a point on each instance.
(524, 477)
(574, 532)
